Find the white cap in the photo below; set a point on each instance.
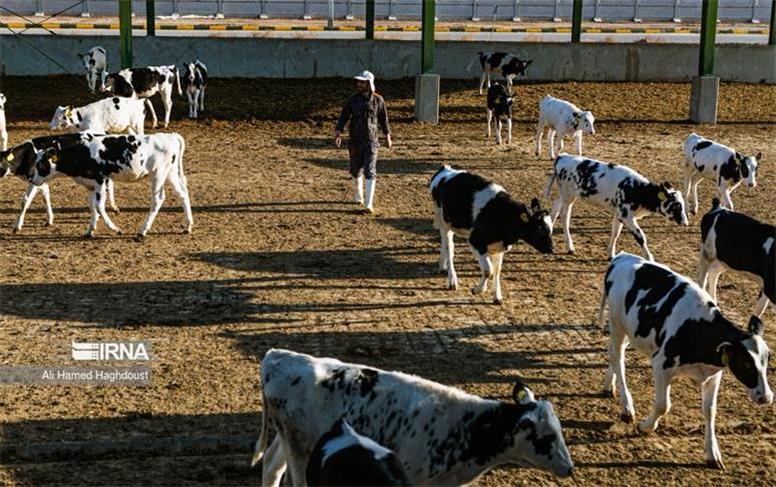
(367, 76)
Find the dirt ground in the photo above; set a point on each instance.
(280, 258)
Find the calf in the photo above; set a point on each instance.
(441, 435)
(736, 241)
(669, 318)
(194, 84)
(20, 159)
(3, 130)
(500, 106)
(507, 65)
(564, 119)
(95, 63)
(343, 457)
(97, 159)
(619, 189)
(109, 115)
(145, 83)
(705, 159)
(482, 212)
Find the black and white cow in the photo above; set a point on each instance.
(474, 208)
(194, 84)
(95, 63)
(145, 83)
(502, 63)
(564, 119)
(342, 457)
(20, 159)
(96, 160)
(441, 435)
(116, 114)
(736, 241)
(669, 318)
(619, 189)
(705, 159)
(499, 111)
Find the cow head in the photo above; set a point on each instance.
(190, 73)
(537, 227)
(747, 166)
(87, 60)
(538, 438)
(584, 121)
(748, 360)
(63, 118)
(671, 203)
(20, 156)
(44, 167)
(522, 66)
(107, 81)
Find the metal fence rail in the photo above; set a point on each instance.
(486, 10)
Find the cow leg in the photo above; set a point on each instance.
(274, 464)
(561, 143)
(180, 186)
(26, 201)
(44, 188)
(95, 217)
(202, 99)
(551, 142)
(726, 201)
(616, 229)
(157, 198)
(688, 185)
(617, 346)
(452, 277)
(443, 249)
(167, 101)
(556, 207)
(498, 130)
(762, 304)
(566, 211)
(703, 270)
(578, 139)
(498, 260)
(482, 81)
(714, 271)
(641, 239)
(489, 117)
(153, 112)
(112, 197)
(100, 195)
(510, 82)
(662, 403)
(488, 80)
(190, 97)
(695, 184)
(487, 272)
(539, 135)
(709, 390)
(509, 131)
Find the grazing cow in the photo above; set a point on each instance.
(669, 318)
(145, 83)
(500, 109)
(705, 159)
(441, 435)
(507, 65)
(109, 115)
(3, 130)
(343, 457)
(194, 84)
(564, 119)
(95, 63)
(619, 189)
(472, 207)
(97, 159)
(19, 160)
(736, 241)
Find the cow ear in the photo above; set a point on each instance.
(521, 394)
(724, 351)
(576, 115)
(758, 156)
(667, 185)
(535, 205)
(755, 326)
(80, 55)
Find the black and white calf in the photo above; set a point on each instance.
(20, 159)
(96, 160)
(564, 119)
(499, 111)
(95, 63)
(145, 83)
(474, 208)
(194, 84)
(109, 115)
(669, 318)
(705, 159)
(502, 63)
(3, 130)
(619, 189)
(441, 435)
(736, 241)
(342, 457)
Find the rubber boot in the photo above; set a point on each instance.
(370, 195)
(359, 182)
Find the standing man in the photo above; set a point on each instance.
(366, 111)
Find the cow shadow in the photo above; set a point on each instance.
(384, 166)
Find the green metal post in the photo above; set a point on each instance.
(576, 22)
(772, 37)
(708, 37)
(151, 17)
(427, 37)
(125, 32)
(370, 19)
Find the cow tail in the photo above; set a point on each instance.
(178, 80)
(471, 63)
(602, 308)
(182, 143)
(261, 443)
(548, 188)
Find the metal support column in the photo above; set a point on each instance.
(516, 12)
(370, 19)
(704, 95)
(150, 18)
(576, 22)
(427, 37)
(125, 32)
(708, 37)
(772, 36)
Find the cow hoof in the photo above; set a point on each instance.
(115, 210)
(140, 237)
(17, 230)
(89, 235)
(452, 287)
(626, 417)
(571, 252)
(118, 231)
(498, 301)
(715, 464)
(187, 231)
(48, 224)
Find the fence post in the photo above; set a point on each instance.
(39, 8)
(370, 19)
(125, 31)
(772, 36)
(150, 18)
(596, 14)
(306, 11)
(676, 18)
(755, 4)
(704, 95)
(219, 9)
(330, 20)
(555, 16)
(391, 13)
(175, 7)
(636, 5)
(427, 34)
(349, 14)
(516, 12)
(85, 9)
(708, 37)
(576, 22)
(475, 6)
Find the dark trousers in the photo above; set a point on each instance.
(363, 160)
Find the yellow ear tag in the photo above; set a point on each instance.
(521, 395)
(725, 359)
(69, 112)
(661, 196)
(524, 217)
(10, 156)
(54, 158)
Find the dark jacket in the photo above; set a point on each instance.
(365, 114)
